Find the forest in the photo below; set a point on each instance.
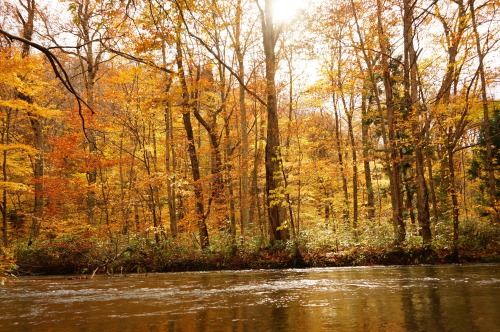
(158, 135)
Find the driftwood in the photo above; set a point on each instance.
(109, 261)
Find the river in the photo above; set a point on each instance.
(409, 298)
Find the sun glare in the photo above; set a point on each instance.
(286, 10)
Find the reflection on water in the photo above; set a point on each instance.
(420, 298)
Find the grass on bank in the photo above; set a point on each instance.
(92, 252)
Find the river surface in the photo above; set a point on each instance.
(415, 298)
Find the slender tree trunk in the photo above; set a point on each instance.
(454, 201)
(422, 198)
(245, 191)
(256, 206)
(3, 206)
(410, 193)
(5, 136)
(89, 66)
(274, 182)
(195, 169)
(124, 208)
(370, 196)
(339, 148)
(170, 159)
(452, 134)
(150, 165)
(216, 164)
(486, 118)
(365, 121)
(170, 165)
(394, 164)
(193, 157)
(418, 128)
(337, 83)
(36, 127)
(354, 175)
(38, 170)
(229, 182)
(299, 185)
(91, 177)
(432, 189)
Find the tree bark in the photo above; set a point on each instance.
(354, 174)
(245, 191)
(486, 118)
(193, 157)
(89, 66)
(274, 182)
(36, 127)
(418, 129)
(370, 195)
(5, 139)
(170, 167)
(393, 163)
(365, 121)
(454, 201)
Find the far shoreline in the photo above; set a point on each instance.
(263, 259)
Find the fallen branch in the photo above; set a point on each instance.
(109, 261)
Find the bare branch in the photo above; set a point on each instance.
(58, 70)
(222, 62)
(138, 59)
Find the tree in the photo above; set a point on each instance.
(208, 123)
(27, 23)
(371, 94)
(420, 120)
(274, 183)
(240, 46)
(394, 166)
(453, 124)
(486, 118)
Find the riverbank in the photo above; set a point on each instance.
(77, 260)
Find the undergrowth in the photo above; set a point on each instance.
(87, 255)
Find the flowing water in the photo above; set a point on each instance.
(416, 298)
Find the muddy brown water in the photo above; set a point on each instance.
(411, 298)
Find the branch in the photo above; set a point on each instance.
(207, 47)
(58, 70)
(138, 59)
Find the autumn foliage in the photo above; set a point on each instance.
(356, 129)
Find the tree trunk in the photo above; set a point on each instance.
(423, 213)
(486, 118)
(170, 166)
(245, 191)
(393, 163)
(36, 127)
(193, 157)
(370, 196)
(338, 145)
(5, 136)
(195, 170)
(229, 184)
(354, 175)
(255, 206)
(365, 121)
(89, 66)
(274, 182)
(454, 201)
(418, 128)
(432, 189)
(38, 170)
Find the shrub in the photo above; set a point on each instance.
(65, 255)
